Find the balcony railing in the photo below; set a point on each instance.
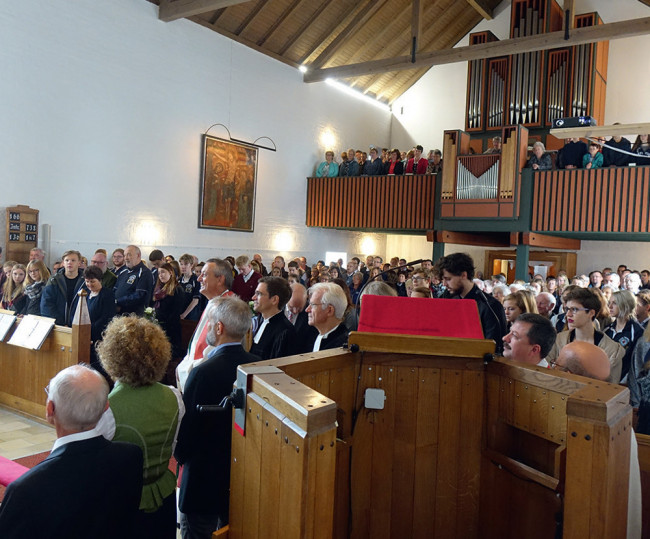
(600, 200)
(399, 203)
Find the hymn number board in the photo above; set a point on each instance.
(22, 233)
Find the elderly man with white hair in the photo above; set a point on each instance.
(326, 310)
(632, 282)
(545, 304)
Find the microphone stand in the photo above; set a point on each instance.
(412, 263)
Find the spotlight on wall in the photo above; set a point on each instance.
(368, 246)
(302, 69)
(328, 139)
(147, 233)
(284, 241)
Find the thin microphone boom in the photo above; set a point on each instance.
(412, 263)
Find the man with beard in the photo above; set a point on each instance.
(457, 274)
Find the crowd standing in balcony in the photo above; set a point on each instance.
(389, 162)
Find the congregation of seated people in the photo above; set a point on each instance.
(288, 308)
(380, 162)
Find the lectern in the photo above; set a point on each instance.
(457, 446)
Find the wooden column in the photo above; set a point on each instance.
(282, 474)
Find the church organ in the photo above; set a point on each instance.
(533, 88)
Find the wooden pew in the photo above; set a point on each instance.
(25, 373)
(461, 448)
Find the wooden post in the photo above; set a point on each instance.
(283, 468)
(81, 331)
(599, 430)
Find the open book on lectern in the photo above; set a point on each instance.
(32, 331)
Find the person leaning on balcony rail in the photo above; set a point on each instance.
(328, 167)
(641, 148)
(593, 159)
(540, 160)
(570, 155)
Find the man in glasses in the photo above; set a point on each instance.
(326, 309)
(581, 308)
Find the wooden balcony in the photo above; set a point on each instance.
(605, 200)
(381, 203)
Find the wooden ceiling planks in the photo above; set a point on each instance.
(331, 33)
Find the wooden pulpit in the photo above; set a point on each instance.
(448, 444)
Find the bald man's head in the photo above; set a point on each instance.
(584, 359)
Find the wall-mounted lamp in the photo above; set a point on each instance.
(254, 143)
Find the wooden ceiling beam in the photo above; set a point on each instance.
(539, 42)
(254, 12)
(170, 11)
(416, 25)
(349, 30)
(482, 8)
(244, 41)
(353, 10)
(289, 11)
(441, 25)
(217, 15)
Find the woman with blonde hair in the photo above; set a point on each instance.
(37, 276)
(13, 294)
(135, 352)
(518, 303)
(625, 330)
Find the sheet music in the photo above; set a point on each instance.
(32, 332)
(6, 323)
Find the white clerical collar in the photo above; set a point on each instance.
(76, 437)
(321, 337)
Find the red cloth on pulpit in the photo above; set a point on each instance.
(420, 316)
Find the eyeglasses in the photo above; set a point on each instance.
(312, 305)
(574, 310)
(47, 390)
(417, 278)
(555, 365)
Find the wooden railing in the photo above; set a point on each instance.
(601, 200)
(372, 202)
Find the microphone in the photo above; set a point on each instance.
(412, 263)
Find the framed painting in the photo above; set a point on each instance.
(228, 183)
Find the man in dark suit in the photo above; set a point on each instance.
(203, 446)
(87, 486)
(296, 314)
(327, 304)
(275, 336)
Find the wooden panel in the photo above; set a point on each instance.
(376, 202)
(601, 200)
(26, 372)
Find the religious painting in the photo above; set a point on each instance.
(228, 185)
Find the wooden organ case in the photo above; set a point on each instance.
(534, 88)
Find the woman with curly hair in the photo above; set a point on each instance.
(13, 295)
(135, 352)
(37, 276)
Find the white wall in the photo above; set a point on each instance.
(437, 102)
(103, 107)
